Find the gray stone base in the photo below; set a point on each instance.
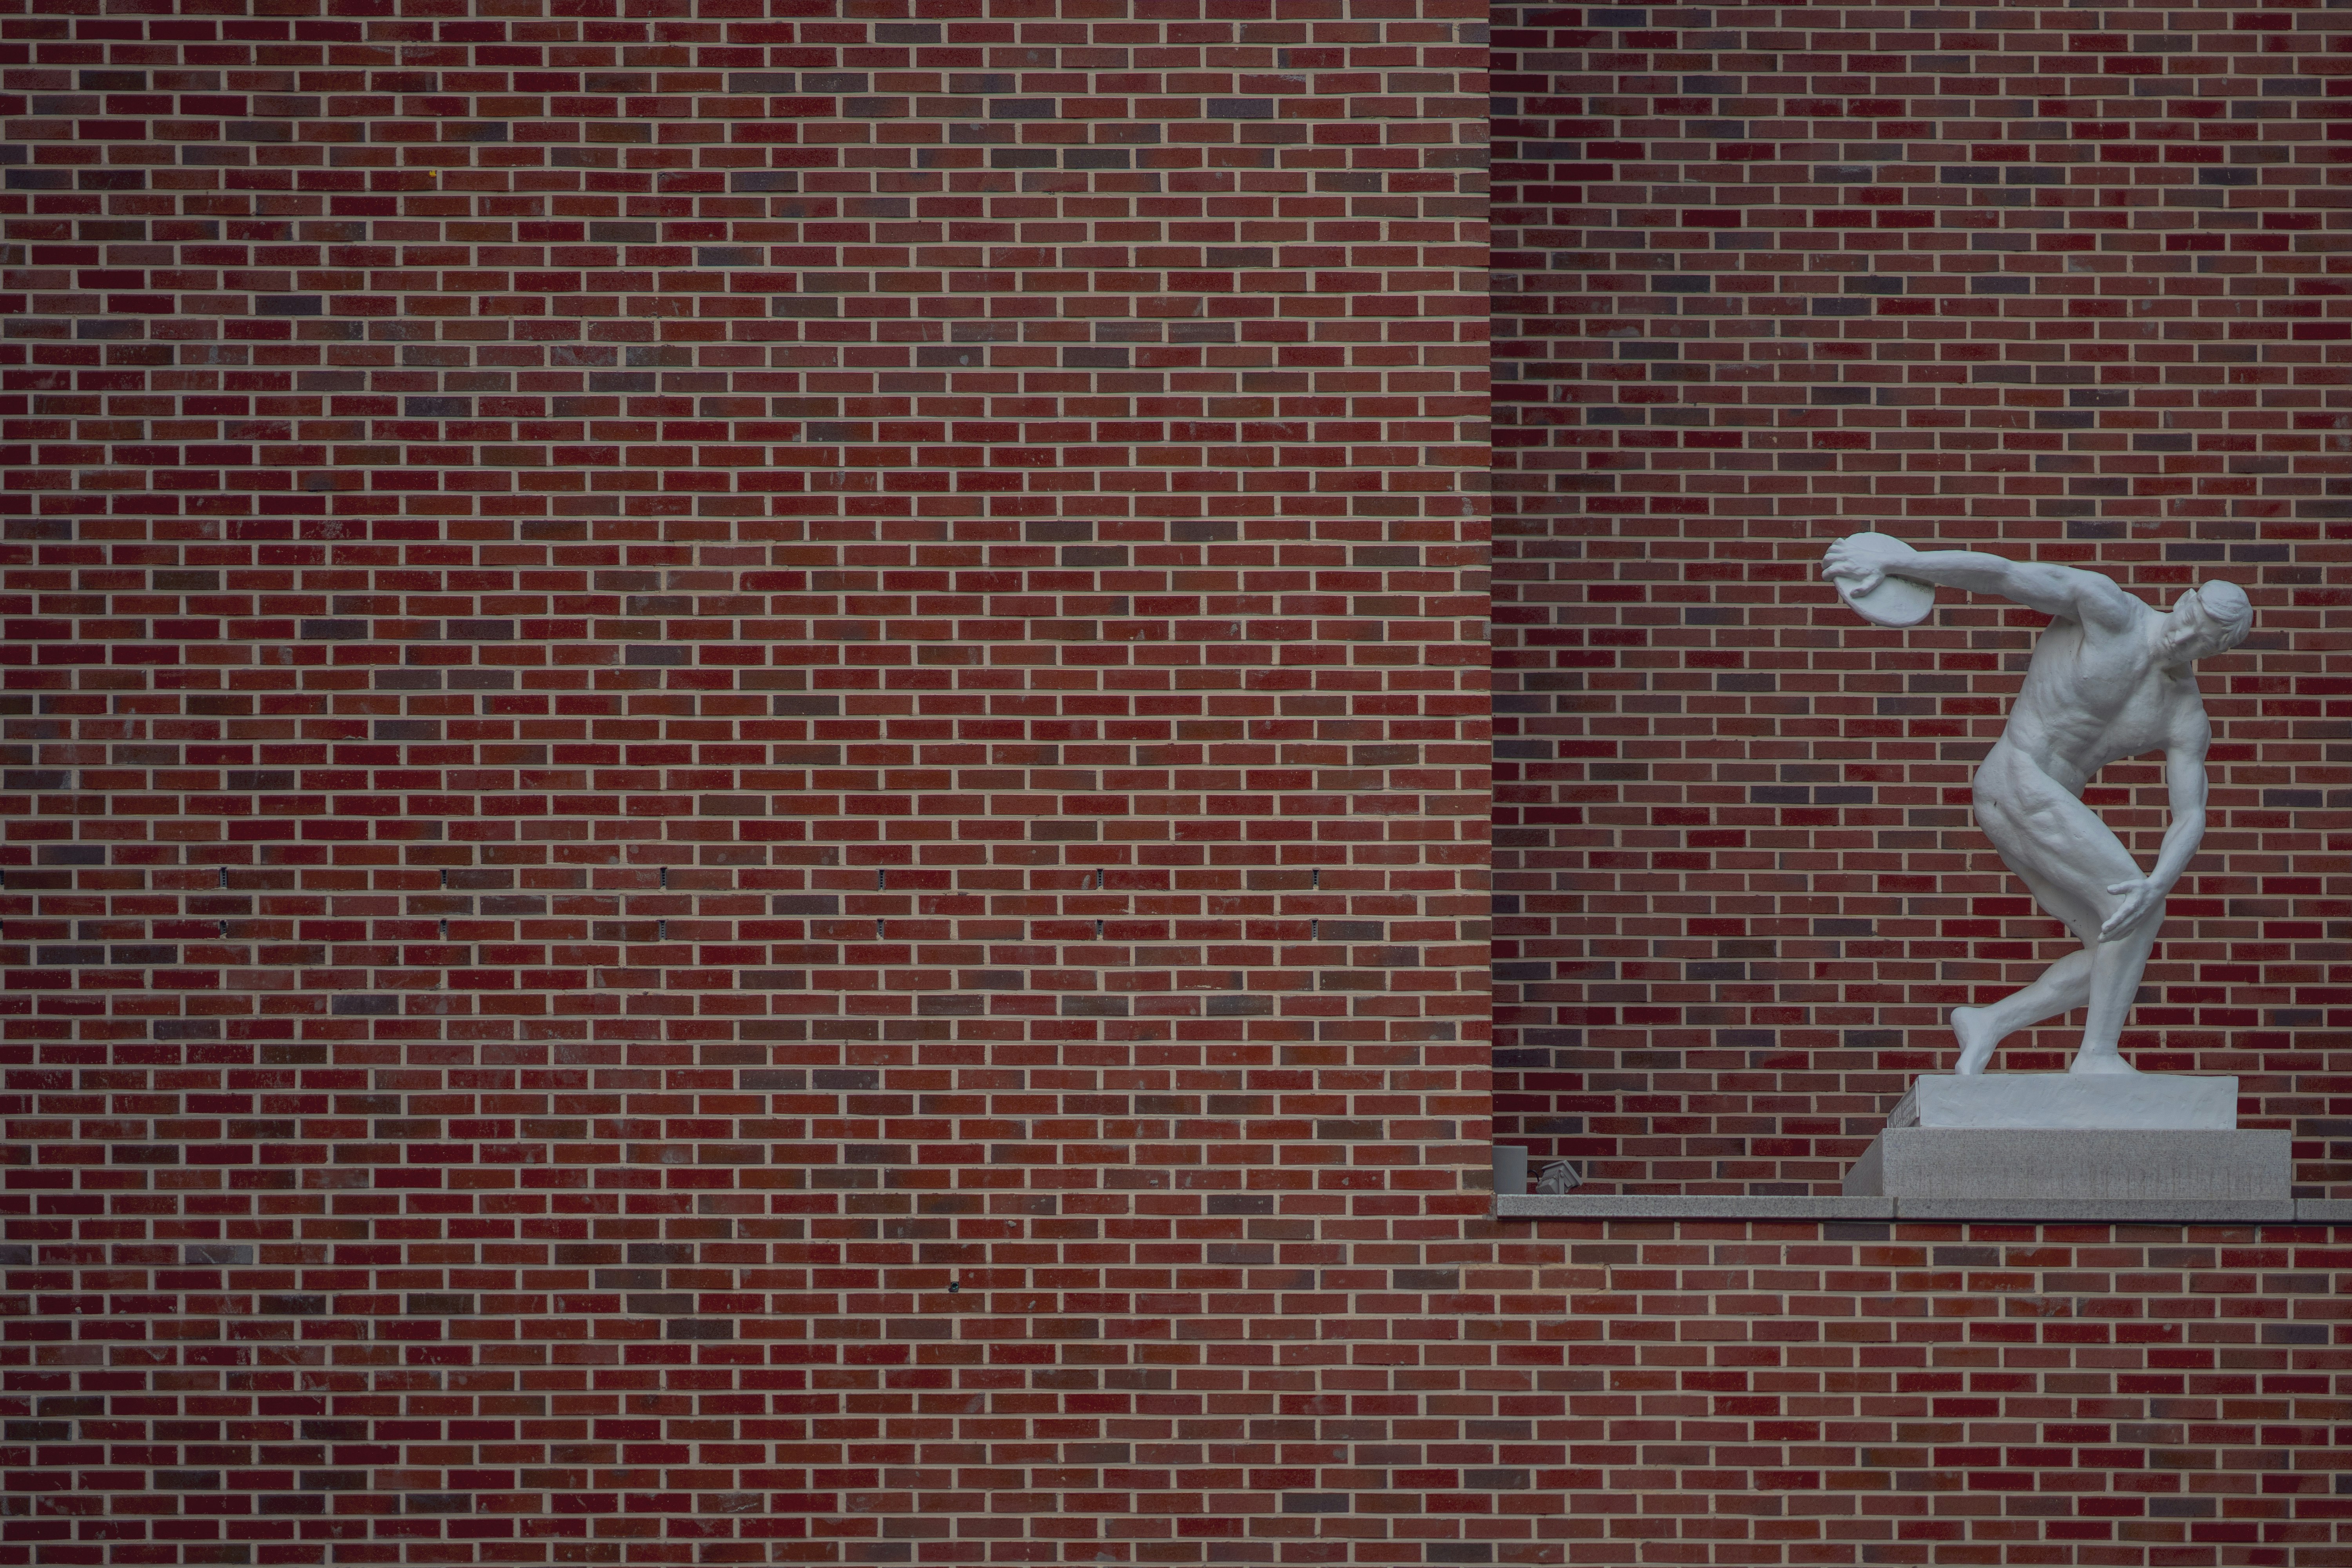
(1977, 1166)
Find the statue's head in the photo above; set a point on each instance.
(2210, 618)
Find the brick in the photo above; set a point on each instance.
(1666, 658)
(644, 665)
(1738, 889)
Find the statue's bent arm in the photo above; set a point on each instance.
(2184, 782)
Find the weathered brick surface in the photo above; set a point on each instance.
(2063, 282)
(745, 781)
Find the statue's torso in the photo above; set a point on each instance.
(2091, 698)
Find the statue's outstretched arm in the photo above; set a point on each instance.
(2054, 590)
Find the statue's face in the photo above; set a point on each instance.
(2191, 631)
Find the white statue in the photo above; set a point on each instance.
(2110, 677)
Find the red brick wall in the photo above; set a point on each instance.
(799, 520)
(746, 781)
(1920, 1394)
(2061, 283)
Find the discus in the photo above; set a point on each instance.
(1895, 601)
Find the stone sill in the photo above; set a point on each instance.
(2136, 1211)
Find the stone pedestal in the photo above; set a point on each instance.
(1974, 1164)
(2022, 1139)
(2139, 1101)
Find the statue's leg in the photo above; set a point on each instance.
(2067, 856)
(2116, 968)
(2061, 988)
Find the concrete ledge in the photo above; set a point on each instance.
(2121, 1211)
(1577, 1205)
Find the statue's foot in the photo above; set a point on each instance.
(1976, 1039)
(2108, 1062)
